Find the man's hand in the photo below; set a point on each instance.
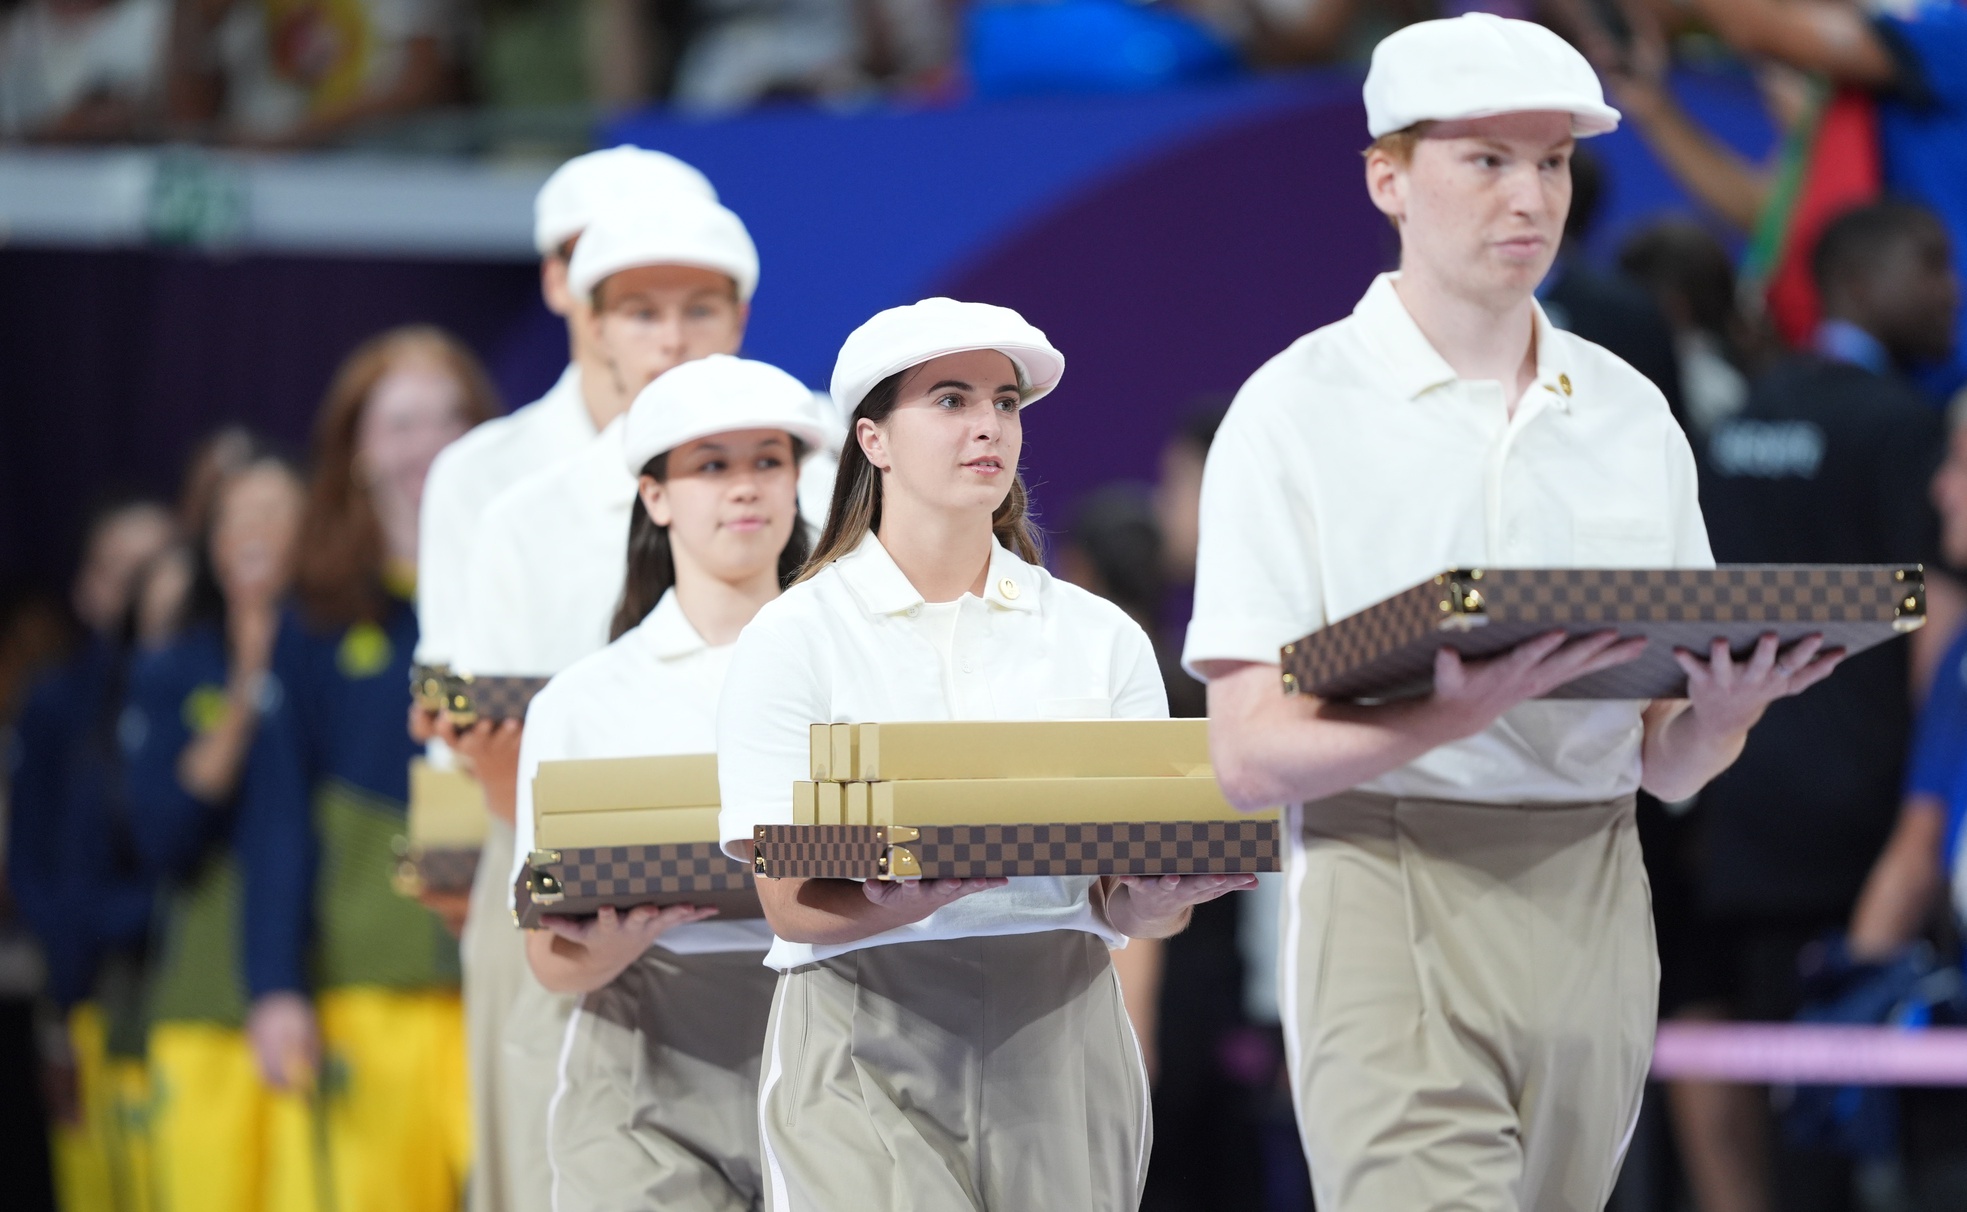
(1157, 906)
(1728, 697)
(286, 1042)
(912, 900)
(1689, 742)
(1471, 695)
(585, 954)
(492, 752)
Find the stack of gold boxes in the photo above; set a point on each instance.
(621, 832)
(944, 799)
(438, 852)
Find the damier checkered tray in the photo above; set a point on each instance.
(974, 851)
(578, 882)
(439, 870)
(469, 698)
(1387, 650)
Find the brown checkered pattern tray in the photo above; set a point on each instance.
(972, 851)
(584, 880)
(443, 871)
(1387, 651)
(469, 698)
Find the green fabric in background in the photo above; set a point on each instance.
(366, 934)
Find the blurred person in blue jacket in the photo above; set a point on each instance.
(353, 989)
(71, 868)
(194, 706)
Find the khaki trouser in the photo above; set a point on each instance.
(993, 1074)
(1469, 1002)
(513, 1030)
(657, 1105)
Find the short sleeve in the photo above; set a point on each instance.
(1257, 585)
(773, 694)
(444, 535)
(544, 739)
(1939, 747)
(1139, 693)
(1690, 541)
(492, 640)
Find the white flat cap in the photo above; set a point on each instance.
(1476, 66)
(721, 394)
(681, 229)
(567, 203)
(901, 337)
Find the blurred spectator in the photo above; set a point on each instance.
(1908, 885)
(81, 69)
(1911, 59)
(354, 989)
(72, 871)
(1693, 280)
(211, 461)
(294, 73)
(1827, 463)
(1599, 307)
(1177, 510)
(193, 708)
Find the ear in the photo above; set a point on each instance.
(1386, 185)
(655, 500)
(873, 444)
(553, 286)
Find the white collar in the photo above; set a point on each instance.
(1416, 367)
(666, 633)
(881, 587)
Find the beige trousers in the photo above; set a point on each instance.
(1469, 1002)
(513, 1030)
(494, 961)
(657, 1105)
(992, 1074)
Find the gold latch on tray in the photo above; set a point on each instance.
(543, 888)
(1461, 602)
(1910, 612)
(897, 861)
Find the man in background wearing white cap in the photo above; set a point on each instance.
(462, 482)
(660, 284)
(1468, 972)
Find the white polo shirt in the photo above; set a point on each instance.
(462, 483)
(653, 692)
(548, 564)
(857, 642)
(1355, 465)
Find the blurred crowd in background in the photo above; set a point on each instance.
(1803, 320)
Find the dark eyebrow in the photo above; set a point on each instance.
(958, 384)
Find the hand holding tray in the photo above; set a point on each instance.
(1387, 650)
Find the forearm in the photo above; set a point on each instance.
(826, 912)
(562, 965)
(1682, 753)
(1721, 180)
(1283, 749)
(1903, 884)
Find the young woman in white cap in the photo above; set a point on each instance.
(664, 283)
(942, 1044)
(462, 484)
(656, 1104)
(1468, 973)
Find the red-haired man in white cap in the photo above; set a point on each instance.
(1468, 973)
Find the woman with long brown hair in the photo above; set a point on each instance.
(354, 990)
(948, 1044)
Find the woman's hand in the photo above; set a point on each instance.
(491, 751)
(580, 955)
(1157, 906)
(286, 1041)
(907, 901)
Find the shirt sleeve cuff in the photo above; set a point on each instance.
(1235, 640)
